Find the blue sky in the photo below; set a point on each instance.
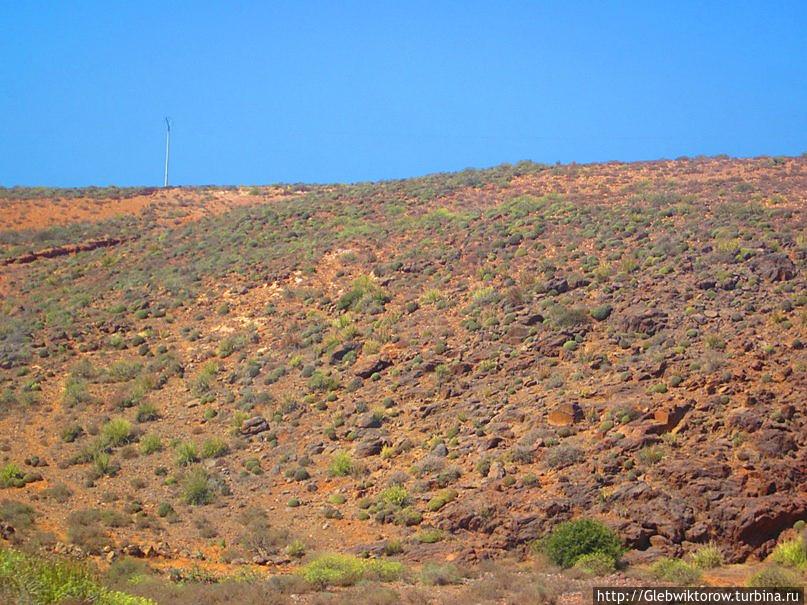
(264, 92)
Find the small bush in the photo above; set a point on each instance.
(11, 475)
(596, 564)
(602, 312)
(17, 514)
(147, 412)
(440, 574)
(572, 539)
(675, 571)
(214, 448)
(84, 530)
(319, 381)
(75, 392)
(71, 433)
(395, 495)
(186, 453)
(792, 553)
(428, 536)
(365, 295)
(150, 444)
(197, 489)
(116, 432)
(341, 464)
(563, 455)
(774, 576)
(707, 557)
(29, 579)
(440, 500)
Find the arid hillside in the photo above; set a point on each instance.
(439, 369)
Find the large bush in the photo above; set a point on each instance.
(573, 539)
(345, 570)
(29, 579)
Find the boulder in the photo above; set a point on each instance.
(669, 418)
(339, 354)
(254, 425)
(368, 447)
(371, 365)
(774, 267)
(643, 320)
(566, 414)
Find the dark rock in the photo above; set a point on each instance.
(370, 420)
(255, 425)
(491, 443)
(440, 450)
(372, 365)
(643, 320)
(339, 354)
(558, 284)
(369, 447)
(774, 267)
(534, 319)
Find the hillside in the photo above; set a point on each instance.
(451, 365)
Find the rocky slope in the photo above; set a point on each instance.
(451, 365)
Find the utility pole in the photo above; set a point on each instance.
(167, 148)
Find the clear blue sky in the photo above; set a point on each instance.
(264, 92)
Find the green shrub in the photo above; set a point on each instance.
(365, 295)
(596, 564)
(571, 540)
(75, 391)
(395, 495)
(116, 432)
(650, 455)
(150, 444)
(434, 574)
(602, 312)
(441, 499)
(147, 412)
(202, 383)
(71, 433)
(675, 571)
(341, 464)
(319, 381)
(165, 509)
(792, 553)
(16, 514)
(563, 455)
(214, 448)
(428, 536)
(295, 549)
(346, 570)
(104, 465)
(774, 576)
(707, 557)
(38, 581)
(11, 475)
(186, 453)
(197, 489)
